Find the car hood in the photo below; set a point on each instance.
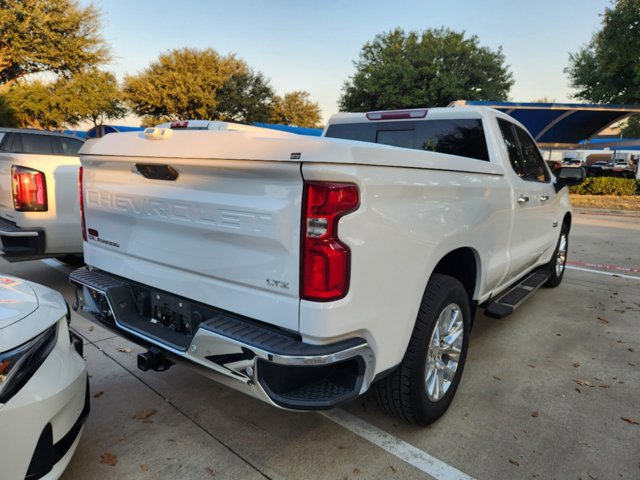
(17, 300)
(26, 310)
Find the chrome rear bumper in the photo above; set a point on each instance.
(246, 355)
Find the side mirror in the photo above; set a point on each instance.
(567, 176)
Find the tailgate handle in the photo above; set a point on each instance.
(157, 171)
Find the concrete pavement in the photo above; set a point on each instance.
(543, 395)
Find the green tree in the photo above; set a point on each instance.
(295, 108)
(632, 127)
(90, 95)
(153, 121)
(32, 105)
(429, 68)
(246, 96)
(199, 84)
(607, 69)
(56, 36)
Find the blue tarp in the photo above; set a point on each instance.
(76, 133)
(101, 131)
(561, 124)
(314, 132)
(611, 144)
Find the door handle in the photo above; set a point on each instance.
(523, 199)
(544, 198)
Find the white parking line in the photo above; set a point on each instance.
(588, 270)
(401, 449)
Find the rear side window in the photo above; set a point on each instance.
(510, 141)
(69, 146)
(533, 162)
(31, 143)
(524, 155)
(461, 137)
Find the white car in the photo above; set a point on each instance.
(623, 168)
(44, 390)
(572, 162)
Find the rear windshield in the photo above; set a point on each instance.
(461, 137)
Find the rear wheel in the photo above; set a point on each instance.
(556, 265)
(421, 389)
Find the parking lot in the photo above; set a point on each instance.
(551, 392)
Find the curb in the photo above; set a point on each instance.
(607, 213)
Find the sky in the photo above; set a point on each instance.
(311, 45)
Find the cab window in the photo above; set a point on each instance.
(70, 146)
(463, 137)
(32, 143)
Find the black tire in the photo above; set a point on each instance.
(404, 393)
(556, 265)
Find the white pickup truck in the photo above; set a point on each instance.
(306, 270)
(39, 212)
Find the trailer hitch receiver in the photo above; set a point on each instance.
(154, 359)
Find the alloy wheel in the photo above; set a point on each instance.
(443, 355)
(561, 256)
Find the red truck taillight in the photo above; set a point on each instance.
(326, 261)
(81, 198)
(29, 189)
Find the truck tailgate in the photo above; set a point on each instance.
(224, 232)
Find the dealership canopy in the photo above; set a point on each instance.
(561, 125)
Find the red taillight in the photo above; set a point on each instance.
(81, 198)
(29, 189)
(326, 261)
(182, 124)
